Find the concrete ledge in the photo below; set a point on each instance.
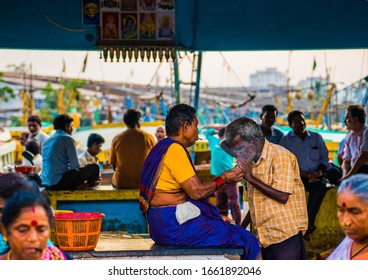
(194, 253)
(103, 192)
(164, 252)
(116, 245)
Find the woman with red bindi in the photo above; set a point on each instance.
(352, 203)
(27, 219)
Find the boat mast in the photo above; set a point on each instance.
(198, 79)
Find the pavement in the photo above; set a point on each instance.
(117, 241)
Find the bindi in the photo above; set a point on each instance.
(343, 204)
(34, 223)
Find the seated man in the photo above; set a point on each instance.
(94, 144)
(60, 166)
(34, 126)
(268, 119)
(129, 149)
(312, 155)
(355, 157)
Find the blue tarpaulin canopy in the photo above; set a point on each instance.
(203, 25)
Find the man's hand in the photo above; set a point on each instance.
(311, 176)
(227, 219)
(314, 177)
(233, 175)
(246, 167)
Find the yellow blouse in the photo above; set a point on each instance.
(176, 169)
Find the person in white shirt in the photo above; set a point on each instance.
(355, 155)
(94, 144)
(32, 156)
(34, 126)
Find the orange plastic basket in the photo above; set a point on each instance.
(52, 230)
(78, 231)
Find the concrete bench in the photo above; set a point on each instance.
(145, 248)
(102, 192)
(121, 207)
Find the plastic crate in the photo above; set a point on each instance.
(78, 231)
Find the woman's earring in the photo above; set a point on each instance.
(5, 239)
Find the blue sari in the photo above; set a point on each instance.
(206, 230)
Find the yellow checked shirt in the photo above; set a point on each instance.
(273, 221)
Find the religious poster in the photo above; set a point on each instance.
(129, 26)
(147, 26)
(166, 5)
(147, 5)
(91, 12)
(129, 5)
(137, 19)
(166, 26)
(132, 29)
(110, 25)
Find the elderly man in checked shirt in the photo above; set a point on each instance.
(276, 196)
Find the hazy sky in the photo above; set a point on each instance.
(347, 66)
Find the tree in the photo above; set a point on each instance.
(6, 92)
(47, 112)
(70, 88)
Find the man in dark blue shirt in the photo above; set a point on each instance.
(268, 119)
(312, 155)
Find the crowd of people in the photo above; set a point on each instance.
(277, 169)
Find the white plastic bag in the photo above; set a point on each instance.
(186, 211)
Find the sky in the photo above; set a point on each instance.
(225, 69)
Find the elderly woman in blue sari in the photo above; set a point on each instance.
(352, 204)
(173, 199)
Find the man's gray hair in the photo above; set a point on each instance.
(246, 128)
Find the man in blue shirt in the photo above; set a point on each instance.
(312, 155)
(61, 169)
(268, 119)
(221, 161)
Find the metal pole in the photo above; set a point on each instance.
(198, 79)
(177, 81)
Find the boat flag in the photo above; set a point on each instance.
(314, 64)
(85, 63)
(64, 66)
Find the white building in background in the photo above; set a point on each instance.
(266, 78)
